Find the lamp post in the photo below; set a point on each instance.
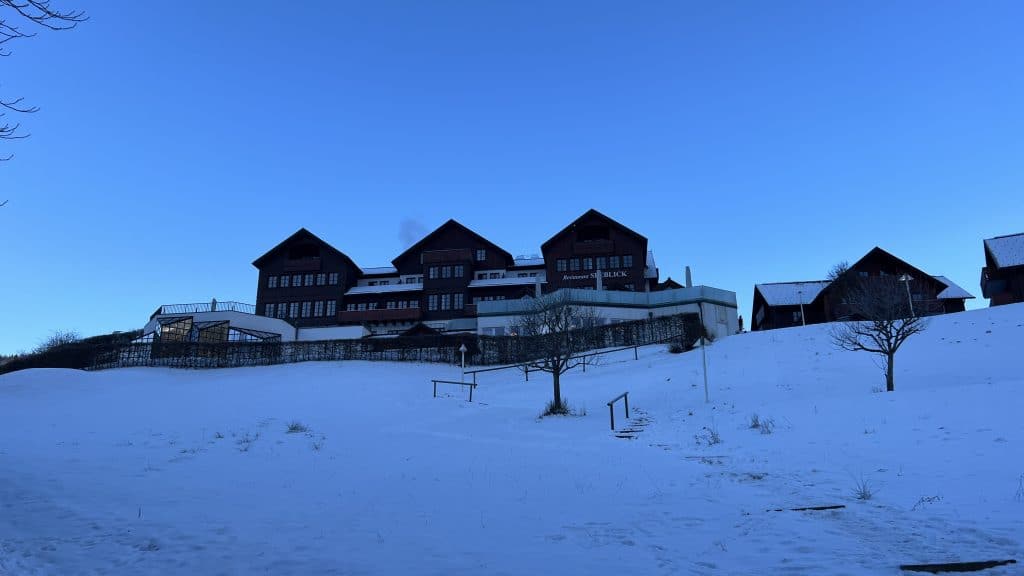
(462, 350)
(703, 351)
(800, 296)
(906, 278)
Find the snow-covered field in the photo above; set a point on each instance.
(156, 471)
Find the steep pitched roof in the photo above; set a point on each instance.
(952, 291)
(449, 224)
(588, 214)
(1006, 251)
(301, 234)
(791, 293)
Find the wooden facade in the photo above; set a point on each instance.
(1002, 278)
(786, 304)
(442, 277)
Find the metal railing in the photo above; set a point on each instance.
(678, 296)
(197, 308)
(471, 386)
(611, 407)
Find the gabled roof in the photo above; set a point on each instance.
(791, 293)
(952, 291)
(301, 234)
(588, 214)
(1006, 251)
(449, 224)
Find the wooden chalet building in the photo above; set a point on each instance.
(441, 280)
(1002, 278)
(786, 304)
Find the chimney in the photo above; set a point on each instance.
(689, 280)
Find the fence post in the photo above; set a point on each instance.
(435, 388)
(635, 355)
(527, 372)
(611, 413)
(471, 386)
(584, 364)
(625, 398)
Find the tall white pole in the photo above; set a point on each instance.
(462, 349)
(906, 280)
(800, 294)
(704, 352)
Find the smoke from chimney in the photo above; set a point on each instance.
(411, 231)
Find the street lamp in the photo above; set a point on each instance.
(906, 278)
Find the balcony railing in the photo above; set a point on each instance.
(302, 264)
(172, 309)
(381, 315)
(678, 296)
(440, 256)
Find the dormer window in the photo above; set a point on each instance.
(481, 255)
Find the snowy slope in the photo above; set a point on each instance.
(155, 471)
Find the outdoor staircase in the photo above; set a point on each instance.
(634, 425)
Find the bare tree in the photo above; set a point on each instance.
(552, 332)
(57, 339)
(34, 14)
(882, 319)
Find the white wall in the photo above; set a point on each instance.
(332, 333)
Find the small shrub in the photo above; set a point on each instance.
(755, 421)
(862, 490)
(767, 426)
(710, 436)
(676, 348)
(296, 427)
(246, 441)
(553, 409)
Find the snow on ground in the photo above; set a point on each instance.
(158, 471)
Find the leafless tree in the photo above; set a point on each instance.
(18, 20)
(882, 319)
(552, 332)
(57, 339)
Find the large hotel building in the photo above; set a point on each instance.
(455, 280)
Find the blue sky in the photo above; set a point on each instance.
(753, 141)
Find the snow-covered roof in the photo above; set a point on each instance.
(952, 291)
(1007, 251)
(383, 289)
(505, 282)
(651, 270)
(791, 293)
(528, 262)
(380, 270)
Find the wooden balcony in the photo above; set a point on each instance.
(302, 264)
(380, 315)
(593, 247)
(442, 256)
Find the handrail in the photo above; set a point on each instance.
(471, 385)
(611, 406)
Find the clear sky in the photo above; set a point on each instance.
(754, 141)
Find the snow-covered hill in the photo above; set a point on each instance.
(155, 471)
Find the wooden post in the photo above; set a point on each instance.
(527, 372)
(474, 378)
(625, 398)
(611, 414)
(435, 388)
(471, 386)
(584, 364)
(636, 356)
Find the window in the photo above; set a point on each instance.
(403, 304)
(481, 275)
(293, 310)
(414, 303)
(459, 302)
(602, 263)
(574, 264)
(495, 275)
(862, 274)
(419, 279)
(385, 282)
(613, 261)
(285, 281)
(588, 263)
(446, 301)
(391, 305)
(271, 281)
(499, 297)
(318, 309)
(306, 309)
(281, 309)
(350, 307)
(309, 280)
(560, 265)
(796, 316)
(361, 306)
(481, 255)
(332, 279)
(460, 270)
(332, 307)
(521, 275)
(371, 306)
(533, 274)
(446, 271)
(268, 309)
(296, 280)
(321, 279)
(432, 272)
(432, 302)
(627, 261)
(371, 283)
